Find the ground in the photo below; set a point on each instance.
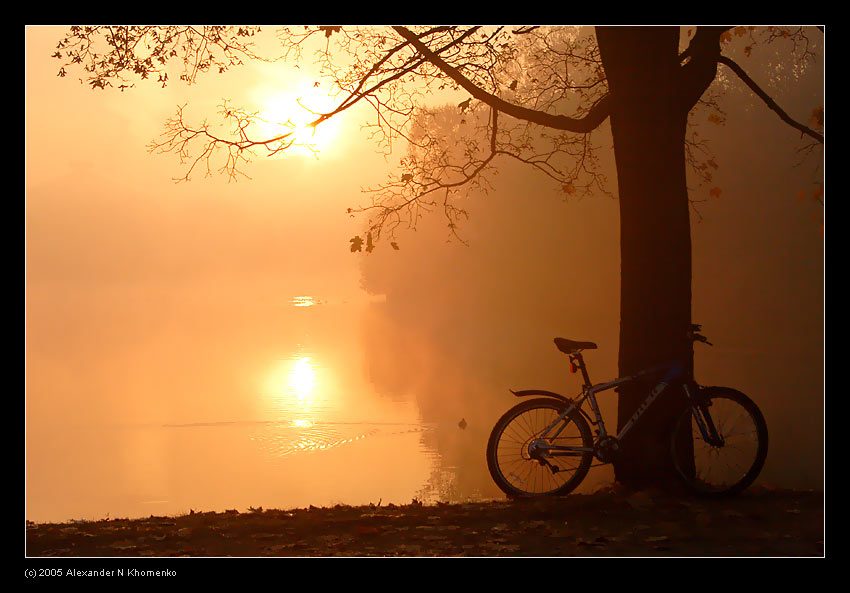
(762, 522)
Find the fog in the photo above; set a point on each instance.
(161, 326)
(463, 324)
(150, 304)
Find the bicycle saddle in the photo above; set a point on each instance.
(571, 347)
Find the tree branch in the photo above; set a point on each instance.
(597, 114)
(768, 100)
(358, 93)
(701, 69)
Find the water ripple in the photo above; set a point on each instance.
(282, 439)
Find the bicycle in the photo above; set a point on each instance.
(544, 446)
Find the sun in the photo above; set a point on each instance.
(292, 110)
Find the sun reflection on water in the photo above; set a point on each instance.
(303, 301)
(302, 379)
(303, 415)
(294, 390)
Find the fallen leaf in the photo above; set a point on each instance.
(123, 545)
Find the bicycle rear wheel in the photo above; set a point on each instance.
(517, 457)
(729, 466)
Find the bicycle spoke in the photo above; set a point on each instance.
(520, 458)
(732, 463)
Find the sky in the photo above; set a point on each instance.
(154, 302)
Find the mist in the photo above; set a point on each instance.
(462, 324)
(161, 319)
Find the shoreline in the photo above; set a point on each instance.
(761, 522)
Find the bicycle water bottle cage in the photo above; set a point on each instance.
(571, 347)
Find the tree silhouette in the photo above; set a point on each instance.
(518, 83)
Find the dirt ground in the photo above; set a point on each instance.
(761, 522)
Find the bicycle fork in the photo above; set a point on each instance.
(705, 423)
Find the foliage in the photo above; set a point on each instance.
(459, 99)
(110, 54)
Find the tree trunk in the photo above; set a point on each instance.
(648, 120)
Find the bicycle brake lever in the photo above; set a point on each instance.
(702, 339)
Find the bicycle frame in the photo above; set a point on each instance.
(674, 372)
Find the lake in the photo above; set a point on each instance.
(160, 420)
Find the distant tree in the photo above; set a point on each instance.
(519, 82)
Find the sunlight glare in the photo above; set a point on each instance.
(292, 385)
(292, 111)
(302, 378)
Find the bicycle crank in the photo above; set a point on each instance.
(606, 449)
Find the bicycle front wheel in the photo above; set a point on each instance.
(724, 466)
(519, 453)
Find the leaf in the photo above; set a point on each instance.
(569, 188)
(369, 245)
(407, 177)
(394, 245)
(513, 85)
(715, 192)
(123, 545)
(715, 119)
(356, 243)
(463, 106)
(817, 117)
(330, 30)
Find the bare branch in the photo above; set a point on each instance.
(179, 137)
(768, 100)
(589, 122)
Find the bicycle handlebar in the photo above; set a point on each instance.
(695, 337)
